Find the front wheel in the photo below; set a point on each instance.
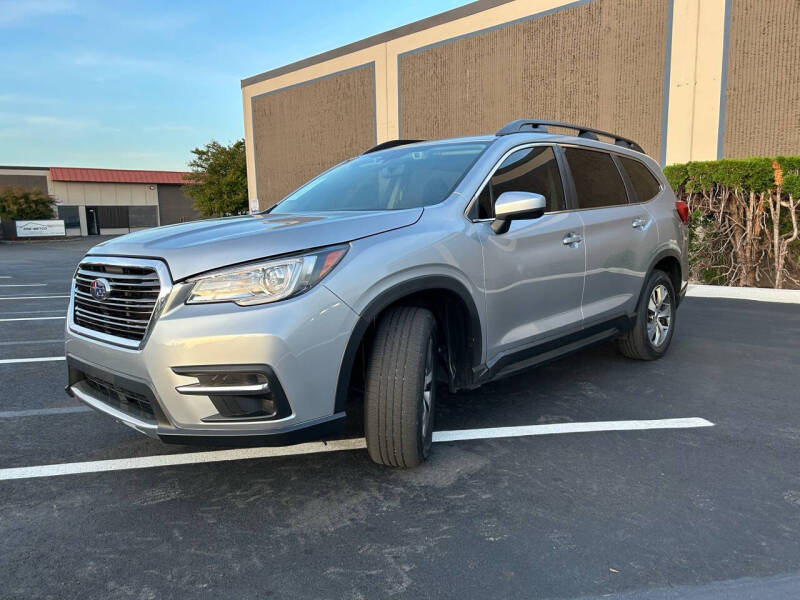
(652, 332)
(400, 390)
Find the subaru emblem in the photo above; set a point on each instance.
(100, 289)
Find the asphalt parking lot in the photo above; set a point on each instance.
(701, 512)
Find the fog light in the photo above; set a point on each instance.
(238, 392)
(238, 384)
(257, 381)
(242, 407)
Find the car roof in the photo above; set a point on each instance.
(535, 130)
(517, 138)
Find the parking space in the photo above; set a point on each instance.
(695, 512)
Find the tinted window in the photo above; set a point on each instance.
(645, 186)
(404, 177)
(143, 216)
(597, 180)
(70, 216)
(527, 170)
(113, 216)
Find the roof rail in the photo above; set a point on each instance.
(536, 125)
(391, 144)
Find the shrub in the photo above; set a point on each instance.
(19, 203)
(744, 228)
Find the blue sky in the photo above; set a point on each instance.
(138, 84)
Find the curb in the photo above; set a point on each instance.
(743, 293)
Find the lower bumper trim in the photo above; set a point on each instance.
(139, 425)
(319, 429)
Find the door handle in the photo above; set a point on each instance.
(572, 239)
(639, 223)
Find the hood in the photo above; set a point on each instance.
(199, 246)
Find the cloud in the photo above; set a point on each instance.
(143, 154)
(164, 22)
(17, 120)
(25, 99)
(104, 67)
(172, 128)
(14, 12)
(115, 62)
(51, 121)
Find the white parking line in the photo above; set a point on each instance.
(29, 312)
(32, 319)
(169, 460)
(26, 342)
(22, 284)
(37, 412)
(29, 297)
(9, 361)
(526, 430)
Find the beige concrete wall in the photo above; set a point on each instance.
(346, 64)
(696, 62)
(383, 56)
(762, 108)
(610, 76)
(301, 130)
(652, 70)
(71, 193)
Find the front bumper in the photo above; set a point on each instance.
(300, 342)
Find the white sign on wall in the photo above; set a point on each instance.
(46, 228)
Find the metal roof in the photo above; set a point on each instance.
(116, 176)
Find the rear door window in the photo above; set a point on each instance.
(645, 185)
(597, 179)
(533, 170)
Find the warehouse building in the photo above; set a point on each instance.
(687, 79)
(107, 201)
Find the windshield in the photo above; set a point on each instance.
(405, 177)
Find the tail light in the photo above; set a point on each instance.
(683, 211)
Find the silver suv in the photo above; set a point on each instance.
(414, 265)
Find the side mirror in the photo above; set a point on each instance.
(512, 206)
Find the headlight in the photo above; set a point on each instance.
(267, 281)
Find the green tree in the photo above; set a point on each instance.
(218, 181)
(20, 203)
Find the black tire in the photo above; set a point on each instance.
(395, 424)
(638, 343)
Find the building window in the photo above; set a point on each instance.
(113, 217)
(143, 216)
(70, 215)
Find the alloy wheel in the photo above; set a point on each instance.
(659, 315)
(428, 390)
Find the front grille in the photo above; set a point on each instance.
(113, 394)
(127, 311)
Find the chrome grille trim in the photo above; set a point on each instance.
(119, 301)
(96, 274)
(101, 318)
(128, 315)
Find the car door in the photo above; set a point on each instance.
(534, 271)
(617, 235)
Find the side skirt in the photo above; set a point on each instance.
(510, 364)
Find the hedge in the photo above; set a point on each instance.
(745, 213)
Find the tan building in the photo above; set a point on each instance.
(687, 79)
(107, 201)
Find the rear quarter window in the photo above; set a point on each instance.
(597, 179)
(645, 185)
